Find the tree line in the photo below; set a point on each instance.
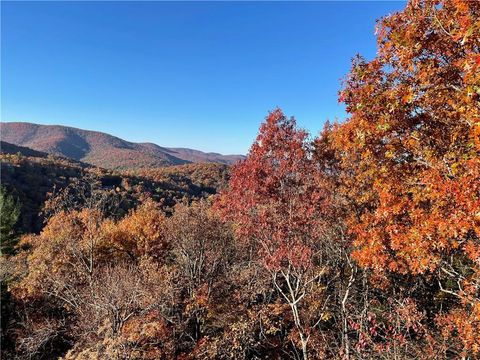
(363, 242)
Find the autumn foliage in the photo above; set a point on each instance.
(411, 146)
(360, 243)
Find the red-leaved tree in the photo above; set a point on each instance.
(275, 201)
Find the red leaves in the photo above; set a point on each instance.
(297, 255)
(274, 194)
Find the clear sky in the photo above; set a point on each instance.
(192, 74)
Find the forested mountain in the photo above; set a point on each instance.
(360, 243)
(102, 149)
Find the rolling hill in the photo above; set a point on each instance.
(101, 149)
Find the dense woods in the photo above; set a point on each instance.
(44, 184)
(360, 243)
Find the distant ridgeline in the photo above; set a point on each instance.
(45, 183)
(102, 149)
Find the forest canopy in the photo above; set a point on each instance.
(363, 242)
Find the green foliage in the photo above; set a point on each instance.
(9, 215)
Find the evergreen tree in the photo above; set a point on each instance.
(9, 214)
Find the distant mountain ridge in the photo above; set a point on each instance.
(102, 149)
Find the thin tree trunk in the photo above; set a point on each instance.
(346, 342)
(304, 347)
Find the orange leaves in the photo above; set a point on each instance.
(408, 155)
(400, 179)
(74, 245)
(473, 251)
(141, 233)
(475, 131)
(464, 326)
(143, 330)
(69, 244)
(419, 214)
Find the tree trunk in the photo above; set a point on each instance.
(304, 347)
(346, 342)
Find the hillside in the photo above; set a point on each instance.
(102, 149)
(7, 148)
(44, 184)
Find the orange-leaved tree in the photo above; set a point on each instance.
(410, 156)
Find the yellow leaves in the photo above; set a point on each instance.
(325, 316)
(389, 154)
(272, 330)
(383, 126)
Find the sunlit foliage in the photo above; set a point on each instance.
(362, 243)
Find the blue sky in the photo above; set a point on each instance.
(193, 74)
